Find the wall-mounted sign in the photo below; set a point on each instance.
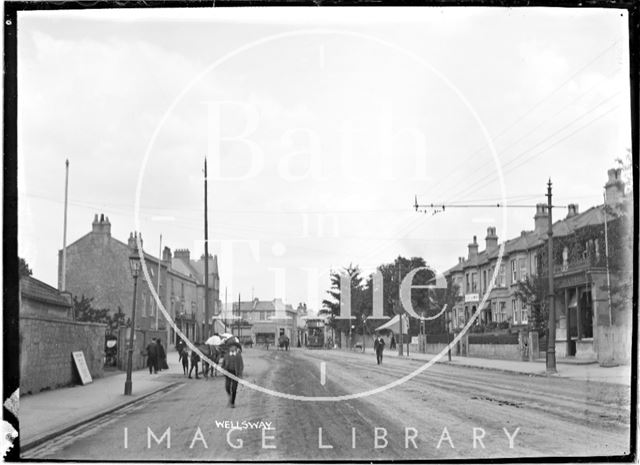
(472, 298)
(81, 366)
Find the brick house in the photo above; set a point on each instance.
(584, 325)
(98, 267)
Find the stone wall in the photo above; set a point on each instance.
(45, 349)
(613, 345)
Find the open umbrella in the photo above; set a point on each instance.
(214, 341)
(226, 335)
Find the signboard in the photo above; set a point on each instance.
(81, 366)
(472, 297)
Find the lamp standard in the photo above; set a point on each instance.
(134, 263)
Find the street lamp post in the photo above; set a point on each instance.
(134, 262)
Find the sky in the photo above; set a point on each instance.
(320, 126)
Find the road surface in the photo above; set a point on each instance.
(447, 412)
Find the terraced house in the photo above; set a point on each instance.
(591, 250)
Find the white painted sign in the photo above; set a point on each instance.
(472, 297)
(81, 365)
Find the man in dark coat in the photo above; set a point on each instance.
(233, 364)
(152, 356)
(184, 358)
(162, 356)
(378, 346)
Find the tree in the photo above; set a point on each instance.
(23, 268)
(84, 311)
(392, 276)
(626, 166)
(533, 292)
(331, 306)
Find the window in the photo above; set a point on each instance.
(525, 313)
(474, 282)
(484, 280)
(468, 285)
(514, 274)
(513, 311)
(501, 276)
(503, 311)
(523, 268)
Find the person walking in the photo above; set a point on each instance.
(162, 356)
(378, 346)
(179, 346)
(392, 345)
(152, 356)
(195, 358)
(233, 364)
(184, 358)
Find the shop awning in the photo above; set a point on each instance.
(394, 325)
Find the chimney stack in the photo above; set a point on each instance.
(491, 241)
(184, 254)
(101, 225)
(473, 248)
(541, 218)
(572, 210)
(614, 188)
(133, 240)
(166, 254)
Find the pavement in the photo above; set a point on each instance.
(570, 368)
(51, 413)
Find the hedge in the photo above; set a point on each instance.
(493, 338)
(442, 338)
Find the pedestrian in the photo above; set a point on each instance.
(152, 356)
(162, 356)
(184, 358)
(195, 358)
(378, 346)
(234, 365)
(392, 345)
(179, 346)
(205, 364)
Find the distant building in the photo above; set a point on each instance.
(98, 267)
(580, 273)
(268, 320)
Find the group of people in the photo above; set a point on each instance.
(156, 356)
(229, 359)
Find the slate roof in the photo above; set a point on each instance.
(529, 240)
(35, 289)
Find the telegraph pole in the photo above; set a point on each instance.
(206, 257)
(159, 262)
(551, 339)
(63, 284)
(400, 346)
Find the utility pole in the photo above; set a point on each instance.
(399, 303)
(551, 339)
(159, 262)
(238, 317)
(226, 308)
(206, 257)
(63, 284)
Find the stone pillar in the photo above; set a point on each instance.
(534, 346)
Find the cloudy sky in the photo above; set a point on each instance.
(319, 125)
